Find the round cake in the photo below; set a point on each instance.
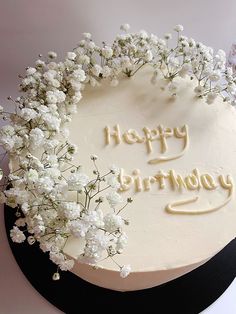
(149, 194)
(177, 158)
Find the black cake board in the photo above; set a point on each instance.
(189, 294)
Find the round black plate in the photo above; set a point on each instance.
(189, 294)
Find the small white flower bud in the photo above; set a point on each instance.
(179, 28)
(71, 55)
(31, 240)
(52, 54)
(87, 35)
(168, 36)
(56, 276)
(125, 27)
(94, 157)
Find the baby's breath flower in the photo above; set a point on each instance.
(179, 28)
(70, 210)
(125, 27)
(121, 242)
(87, 35)
(31, 240)
(96, 69)
(114, 198)
(36, 137)
(28, 114)
(52, 55)
(199, 90)
(72, 149)
(113, 222)
(77, 181)
(114, 170)
(168, 36)
(25, 208)
(125, 271)
(113, 182)
(91, 45)
(83, 59)
(17, 235)
(148, 56)
(71, 55)
(56, 276)
(107, 52)
(94, 157)
(215, 76)
(79, 74)
(30, 71)
(66, 264)
(20, 222)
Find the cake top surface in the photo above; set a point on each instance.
(177, 157)
(174, 153)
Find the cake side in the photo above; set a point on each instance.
(110, 279)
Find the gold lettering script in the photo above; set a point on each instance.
(193, 181)
(148, 136)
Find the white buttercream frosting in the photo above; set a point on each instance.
(177, 156)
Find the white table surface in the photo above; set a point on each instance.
(28, 28)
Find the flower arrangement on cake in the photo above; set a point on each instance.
(53, 197)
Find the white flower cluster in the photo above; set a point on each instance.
(36, 138)
(36, 141)
(131, 51)
(51, 219)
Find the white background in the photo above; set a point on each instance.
(29, 27)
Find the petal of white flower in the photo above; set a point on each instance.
(17, 235)
(125, 271)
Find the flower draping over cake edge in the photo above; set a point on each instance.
(37, 140)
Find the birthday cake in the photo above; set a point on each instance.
(168, 125)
